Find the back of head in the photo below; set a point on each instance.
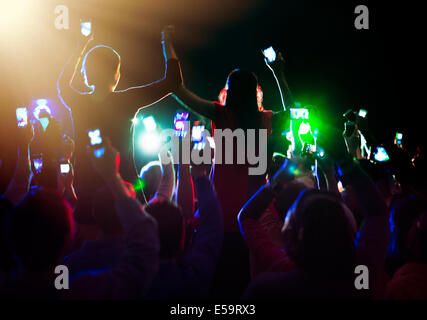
(417, 239)
(170, 221)
(39, 229)
(100, 67)
(242, 93)
(404, 209)
(104, 212)
(319, 234)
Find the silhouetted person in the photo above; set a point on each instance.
(103, 107)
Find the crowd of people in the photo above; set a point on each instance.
(353, 227)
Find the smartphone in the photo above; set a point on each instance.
(381, 155)
(363, 113)
(296, 114)
(96, 142)
(22, 116)
(198, 137)
(86, 28)
(399, 137)
(64, 168)
(198, 133)
(37, 163)
(95, 137)
(269, 54)
(44, 118)
(181, 124)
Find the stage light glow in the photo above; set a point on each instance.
(150, 124)
(15, 13)
(149, 142)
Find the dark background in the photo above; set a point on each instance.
(330, 64)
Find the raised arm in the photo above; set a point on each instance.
(373, 236)
(185, 191)
(194, 103)
(146, 95)
(185, 97)
(167, 181)
(206, 248)
(278, 69)
(132, 275)
(64, 86)
(20, 182)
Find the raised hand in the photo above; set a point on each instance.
(277, 65)
(108, 164)
(25, 136)
(168, 33)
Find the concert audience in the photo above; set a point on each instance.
(301, 230)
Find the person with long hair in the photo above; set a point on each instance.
(239, 107)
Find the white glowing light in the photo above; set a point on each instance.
(149, 142)
(150, 124)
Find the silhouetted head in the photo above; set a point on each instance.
(417, 239)
(104, 210)
(40, 229)
(242, 92)
(101, 68)
(171, 226)
(151, 174)
(319, 232)
(404, 210)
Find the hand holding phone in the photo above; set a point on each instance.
(96, 142)
(198, 136)
(398, 139)
(299, 114)
(64, 168)
(37, 163)
(269, 54)
(181, 124)
(86, 28)
(22, 116)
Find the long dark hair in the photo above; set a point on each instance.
(243, 95)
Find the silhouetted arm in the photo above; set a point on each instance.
(64, 86)
(185, 97)
(278, 69)
(195, 104)
(185, 191)
(20, 182)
